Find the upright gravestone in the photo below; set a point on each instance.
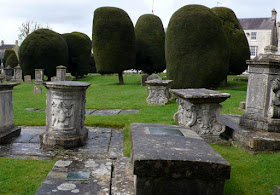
(60, 73)
(27, 78)
(65, 115)
(263, 93)
(9, 73)
(39, 76)
(17, 74)
(8, 130)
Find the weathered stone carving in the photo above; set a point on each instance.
(158, 91)
(65, 114)
(198, 109)
(274, 109)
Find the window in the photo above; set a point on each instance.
(254, 36)
(254, 51)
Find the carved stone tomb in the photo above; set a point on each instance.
(263, 94)
(158, 91)
(8, 130)
(198, 109)
(65, 114)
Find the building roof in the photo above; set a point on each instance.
(4, 46)
(257, 23)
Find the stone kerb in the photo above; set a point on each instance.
(175, 160)
(199, 109)
(65, 114)
(8, 130)
(263, 94)
(158, 91)
(60, 73)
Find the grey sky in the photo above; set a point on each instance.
(76, 15)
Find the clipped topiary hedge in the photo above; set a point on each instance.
(79, 50)
(197, 49)
(7, 53)
(92, 68)
(12, 60)
(239, 47)
(150, 44)
(43, 49)
(113, 41)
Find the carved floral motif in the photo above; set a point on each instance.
(157, 95)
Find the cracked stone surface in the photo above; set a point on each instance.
(102, 157)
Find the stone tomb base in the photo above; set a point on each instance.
(7, 136)
(252, 140)
(260, 123)
(175, 160)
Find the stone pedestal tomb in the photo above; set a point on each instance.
(8, 130)
(175, 160)
(263, 94)
(60, 73)
(158, 91)
(39, 76)
(18, 74)
(65, 114)
(198, 109)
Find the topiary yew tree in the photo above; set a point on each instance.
(79, 50)
(197, 50)
(239, 47)
(43, 49)
(149, 41)
(7, 53)
(113, 41)
(92, 68)
(12, 60)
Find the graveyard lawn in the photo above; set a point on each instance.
(106, 93)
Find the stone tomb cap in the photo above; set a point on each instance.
(61, 67)
(66, 84)
(158, 82)
(167, 155)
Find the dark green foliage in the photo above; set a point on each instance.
(92, 66)
(113, 40)
(239, 47)
(12, 60)
(43, 49)
(7, 53)
(79, 50)
(197, 50)
(150, 41)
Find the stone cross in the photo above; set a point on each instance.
(65, 114)
(8, 130)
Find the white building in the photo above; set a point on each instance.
(261, 32)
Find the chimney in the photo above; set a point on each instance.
(16, 43)
(274, 14)
(2, 42)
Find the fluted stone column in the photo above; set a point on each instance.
(8, 130)
(65, 114)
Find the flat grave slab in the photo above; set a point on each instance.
(173, 164)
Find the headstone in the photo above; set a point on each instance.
(53, 79)
(39, 75)
(263, 93)
(68, 78)
(153, 77)
(37, 89)
(179, 162)
(9, 73)
(18, 74)
(144, 78)
(242, 105)
(158, 91)
(8, 130)
(60, 73)
(27, 78)
(65, 115)
(199, 109)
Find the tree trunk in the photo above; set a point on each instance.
(120, 78)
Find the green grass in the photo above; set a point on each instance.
(251, 174)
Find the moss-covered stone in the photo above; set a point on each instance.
(113, 40)
(150, 42)
(197, 50)
(239, 47)
(7, 53)
(79, 50)
(12, 60)
(43, 49)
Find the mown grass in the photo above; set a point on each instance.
(250, 174)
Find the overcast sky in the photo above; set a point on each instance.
(65, 16)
